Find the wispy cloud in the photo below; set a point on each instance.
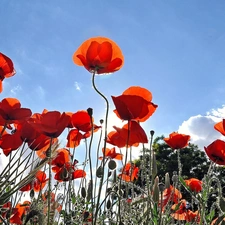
(16, 89)
(40, 92)
(201, 127)
(77, 86)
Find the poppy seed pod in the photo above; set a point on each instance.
(83, 192)
(112, 164)
(99, 172)
(90, 112)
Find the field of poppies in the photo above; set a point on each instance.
(43, 183)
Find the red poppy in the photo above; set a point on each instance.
(63, 168)
(10, 142)
(99, 54)
(81, 120)
(11, 111)
(111, 153)
(129, 172)
(220, 127)
(134, 104)
(6, 68)
(37, 184)
(120, 137)
(73, 138)
(50, 123)
(41, 144)
(194, 184)
(177, 141)
(54, 204)
(181, 212)
(16, 213)
(216, 152)
(171, 194)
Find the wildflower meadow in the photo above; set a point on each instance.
(42, 181)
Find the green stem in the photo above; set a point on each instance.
(104, 148)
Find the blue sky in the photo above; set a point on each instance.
(173, 48)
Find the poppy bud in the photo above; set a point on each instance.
(154, 165)
(222, 204)
(101, 121)
(64, 174)
(31, 193)
(90, 112)
(86, 215)
(99, 172)
(108, 204)
(175, 177)
(155, 196)
(89, 191)
(83, 192)
(167, 180)
(112, 164)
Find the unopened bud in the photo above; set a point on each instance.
(90, 112)
(167, 180)
(155, 196)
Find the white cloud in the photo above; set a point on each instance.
(16, 89)
(77, 86)
(40, 92)
(201, 127)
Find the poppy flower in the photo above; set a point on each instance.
(81, 120)
(73, 138)
(220, 127)
(181, 212)
(41, 144)
(111, 153)
(6, 68)
(134, 104)
(63, 168)
(171, 194)
(11, 111)
(129, 172)
(37, 184)
(50, 123)
(194, 184)
(54, 204)
(16, 213)
(216, 152)
(119, 138)
(10, 142)
(177, 141)
(99, 54)
(214, 222)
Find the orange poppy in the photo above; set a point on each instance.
(37, 184)
(177, 141)
(50, 123)
(111, 153)
(216, 152)
(129, 172)
(6, 68)
(171, 194)
(99, 54)
(11, 111)
(194, 184)
(214, 222)
(220, 127)
(120, 137)
(134, 104)
(181, 212)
